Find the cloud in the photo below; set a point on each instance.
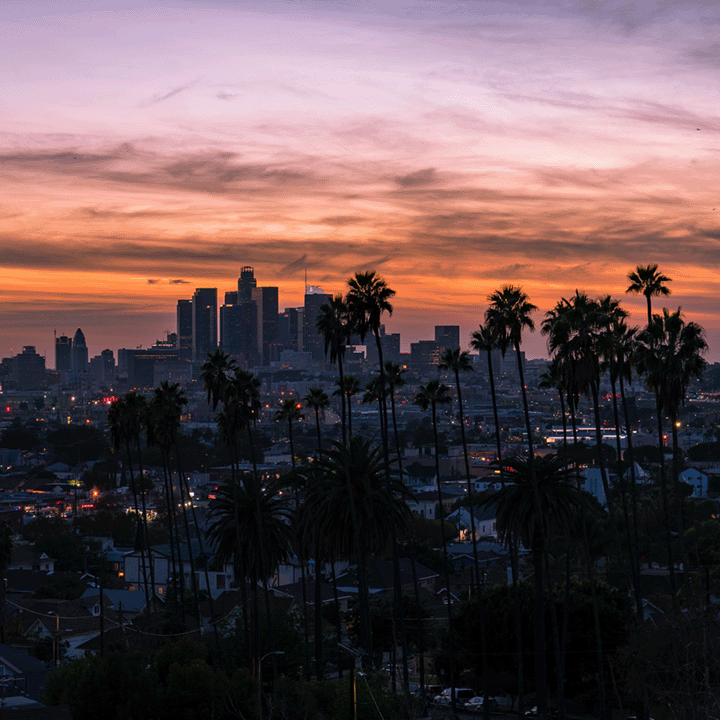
(418, 178)
(152, 281)
(298, 264)
(163, 96)
(179, 282)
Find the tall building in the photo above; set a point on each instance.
(246, 284)
(390, 347)
(79, 353)
(184, 329)
(313, 341)
(425, 357)
(290, 329)
(239, 332)
(204, 323)
(266, 302)
(102, 368)
(63, 355)
(447, 336)
(27, 369)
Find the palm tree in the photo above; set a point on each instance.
(216, 372)
(506, 317)
(430, 397)
(291, 410)
(647, 280)
(125, 420)
(250, 526)
(669, 354)
(166, 408)
(318, 401)
(521, 519)
(354, 506)
(335, 324)
(347, 387)
(484, 340)
(368, 297)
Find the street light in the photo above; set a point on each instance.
(259, 669)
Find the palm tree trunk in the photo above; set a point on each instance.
(518, 629)
(416, 587)
(633, 496)
(626, 516)
(539, 614)
(441, 512)
(679, 498)
(666, 509)
(342, 402)
(476, 562)
(143, 528)
(495, 407)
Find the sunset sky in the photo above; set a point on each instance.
(150, 148)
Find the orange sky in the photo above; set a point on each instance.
(150, 149)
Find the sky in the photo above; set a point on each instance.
(150, 148)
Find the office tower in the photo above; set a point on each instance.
(102, 368)
(425, 357)
(184, 329)
(390, 347)
(231, 297)
(312, 339)
(63, 355)
(266, 302)
(246, 283)
(79, 353)
(239, 333)
(447, 336)
(27, 370)
(290, 329)
(204, 323)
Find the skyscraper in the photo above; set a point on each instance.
(447, 336)
(63, 355)
(184, 329)
(266, 301)
(204, 323)
(79, 353)
(239, 332)
(246, 283)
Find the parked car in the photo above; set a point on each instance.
(477, 703)
(462, 695)
(533, 712)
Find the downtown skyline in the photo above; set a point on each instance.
(147, 150)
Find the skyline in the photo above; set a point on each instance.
(452, 147)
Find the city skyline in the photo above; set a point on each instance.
(150, 150)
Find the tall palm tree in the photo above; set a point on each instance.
(216, 372)
(348, 387)
(250, 526)
(484, 340)
(167, 406)
(368, 298)
(520, 519)
(646, 280)
(318, 401)
(335, 324)
(507, 316)
(354, 506)
(125, 420)
(458, 361)
(290, 410)
(669, 354)
(430, 396)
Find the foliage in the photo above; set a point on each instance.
(19, 436)
(52, 535)
(73, 444)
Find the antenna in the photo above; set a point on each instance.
(306, 279)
